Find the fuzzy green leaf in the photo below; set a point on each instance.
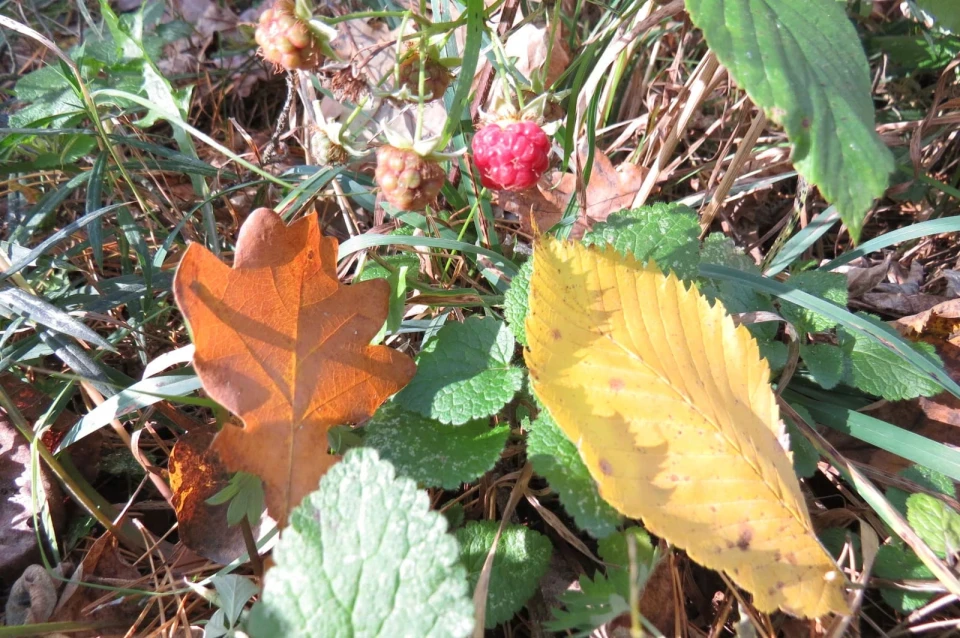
(431, 453)
(736, 297)
(373, 270)
(924, 477)
(556, 458)
(825, 363)
(775, 352)
(803, 64)
(935, 522)
(665, 233)
(876, 370)
(520, 561)
(364, 556)
(464, 372)
(826, 285)
(896, 561)
(721, 250)
(516, 302)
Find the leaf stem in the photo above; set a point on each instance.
(251, 543)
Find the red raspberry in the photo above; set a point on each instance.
(286, 40)
(511, 158)
(407, 180)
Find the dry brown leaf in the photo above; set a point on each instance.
(529, 45)
(861, 280)
(196, 474)
(284, 346)
(940, 322)
(937, 417)
(101, 564)
(610, 189)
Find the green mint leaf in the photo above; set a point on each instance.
(432, 453)
(924, 477)
(880, 372)
(828, 286)
(834, 539)
(665, 233)
(896, 561)
(775, 352)
(615, 552)
(520, 561)
(803, 64)
(464, 372)
(364, 556)
(721, 250)
(825, 363)
(935, 522)
(556, 458)
(516, 302)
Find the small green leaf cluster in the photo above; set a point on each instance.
(607, 596)
(108, 58)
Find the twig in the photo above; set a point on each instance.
(700, 84)
(739, 159)
(251, 543)
(483, 583)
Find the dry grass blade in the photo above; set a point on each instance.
(739, 159)
(877, 501)
(698, 87)
(483, 582)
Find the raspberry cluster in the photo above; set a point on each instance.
(511, 158)
(407, 180)
(436, 76)
(286, 40)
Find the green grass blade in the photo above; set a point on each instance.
(46, 314)
(95, 202)
(799, 243)
(847, 319)
(913, 231)
(56, 238)
(361, 242)
(468, 68)
(138, 395)
(886, 436)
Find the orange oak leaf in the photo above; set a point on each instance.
(284, 346)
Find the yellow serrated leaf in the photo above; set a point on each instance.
(671, 408)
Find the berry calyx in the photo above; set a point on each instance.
(512, 157)
(407, 180)
(288, 40)
(327, 150)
